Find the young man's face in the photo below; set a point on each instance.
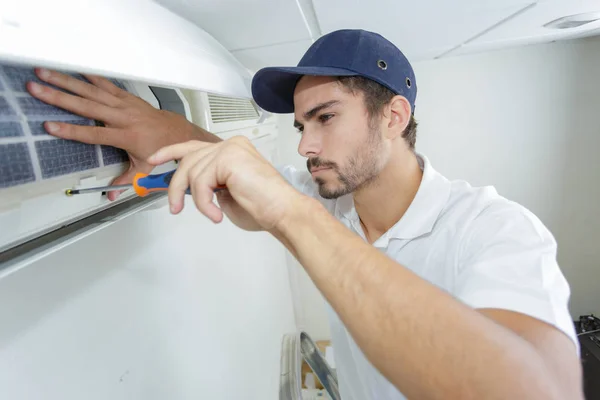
(342, 144)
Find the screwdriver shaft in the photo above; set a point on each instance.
(71, 192)
(143, 185)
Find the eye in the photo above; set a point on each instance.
(325, 117)
(300, 128)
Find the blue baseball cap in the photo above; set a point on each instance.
(346, 52)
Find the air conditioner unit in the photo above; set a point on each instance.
(227, 116)
(161, 56)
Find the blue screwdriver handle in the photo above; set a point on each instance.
(144, 184)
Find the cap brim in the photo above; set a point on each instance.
(273, 87)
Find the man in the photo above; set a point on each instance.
(438, 290)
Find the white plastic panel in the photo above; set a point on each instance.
(24, 216)
(258, 134)
(421, 29)
(127, 39)
(528, 28)
(241, 24)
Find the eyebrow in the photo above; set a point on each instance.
(313, 111)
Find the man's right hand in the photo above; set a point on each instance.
(130, 123)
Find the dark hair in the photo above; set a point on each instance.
(376, 97)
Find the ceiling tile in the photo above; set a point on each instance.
(278, 55)
(528, 28)
(421, 29)
(241, 24)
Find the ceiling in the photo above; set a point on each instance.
(278, 32)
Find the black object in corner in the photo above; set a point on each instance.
(590, 354)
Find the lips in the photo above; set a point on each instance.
(317, 169)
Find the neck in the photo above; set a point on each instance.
(384, 201)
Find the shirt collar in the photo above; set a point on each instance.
(421, 215)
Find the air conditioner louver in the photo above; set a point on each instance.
(230, 109)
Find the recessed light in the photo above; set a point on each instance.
(574, 21)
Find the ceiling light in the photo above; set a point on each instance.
(573, 21)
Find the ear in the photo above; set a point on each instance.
(400, 112)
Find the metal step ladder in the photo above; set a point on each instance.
(297, 347)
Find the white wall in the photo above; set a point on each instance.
(526, 120)
(153, 307)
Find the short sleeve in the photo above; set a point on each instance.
(508, 261)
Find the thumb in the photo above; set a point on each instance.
(124, 179)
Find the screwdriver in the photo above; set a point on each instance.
(143, 184)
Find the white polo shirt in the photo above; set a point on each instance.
(483, 249)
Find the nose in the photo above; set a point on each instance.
(310, 145)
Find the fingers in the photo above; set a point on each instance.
(75, 104)
(95, 135)
(202, 181)
(106, 85)
(224, 197)
(88, 134)
(203, 200)
(77, 86)
(177, 151)
(126, 178)
(181, 179)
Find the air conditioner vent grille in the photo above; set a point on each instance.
(230, 109)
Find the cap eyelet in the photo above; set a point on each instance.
(382, 64)
(408, 83)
